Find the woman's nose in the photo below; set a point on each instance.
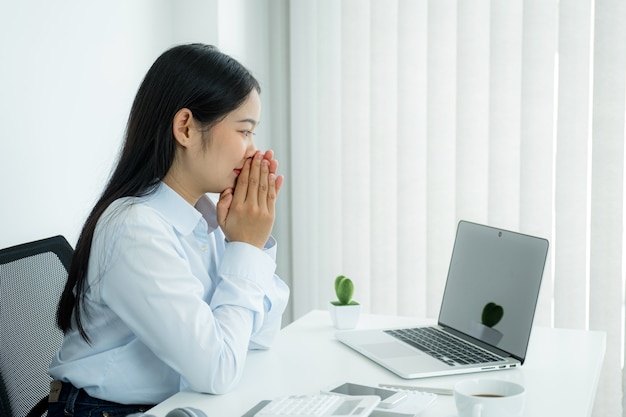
(251, 150)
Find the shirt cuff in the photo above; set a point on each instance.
(247, 275)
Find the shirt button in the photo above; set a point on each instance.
(203, 248)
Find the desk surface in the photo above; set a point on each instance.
(560, 374)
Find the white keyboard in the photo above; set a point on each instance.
(319, 405)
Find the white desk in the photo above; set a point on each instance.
(560, 374)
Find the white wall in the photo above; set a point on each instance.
(68, 74)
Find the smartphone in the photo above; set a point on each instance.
(388, 398)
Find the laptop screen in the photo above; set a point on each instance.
(493, 285)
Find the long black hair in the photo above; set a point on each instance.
(195, 76)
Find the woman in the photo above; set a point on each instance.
(167, 290)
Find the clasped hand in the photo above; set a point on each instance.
(246, 212)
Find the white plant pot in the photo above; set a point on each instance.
(344, 317)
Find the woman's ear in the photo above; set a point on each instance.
(183, 120)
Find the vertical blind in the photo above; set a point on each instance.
(410, 115)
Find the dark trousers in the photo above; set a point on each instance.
(69, 401)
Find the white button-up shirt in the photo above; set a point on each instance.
(170, 304)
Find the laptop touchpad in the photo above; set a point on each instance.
(390, 350)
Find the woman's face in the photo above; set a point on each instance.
(230, 143)
(210, 161)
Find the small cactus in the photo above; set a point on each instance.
(344, 288)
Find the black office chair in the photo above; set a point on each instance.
(32, 277)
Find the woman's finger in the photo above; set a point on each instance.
(264, 184)
(279, 183)
(223, 205)
(241, 188)
(253, 179)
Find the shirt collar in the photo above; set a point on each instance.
(179, 213)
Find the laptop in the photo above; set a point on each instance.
(488, 307)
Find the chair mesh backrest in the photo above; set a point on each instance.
(32, 277)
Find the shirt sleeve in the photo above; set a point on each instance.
(274, 291)
(148, 284)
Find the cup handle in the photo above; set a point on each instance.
(477, 410)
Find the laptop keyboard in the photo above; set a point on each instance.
(443, 346)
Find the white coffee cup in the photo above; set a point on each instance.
(489, 398)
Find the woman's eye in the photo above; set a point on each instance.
(247, 133)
